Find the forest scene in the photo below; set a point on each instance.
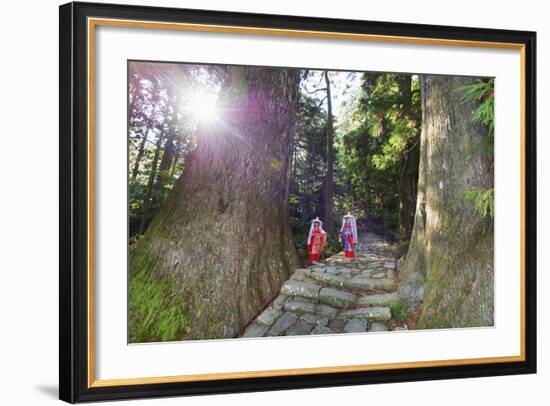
(267, 201)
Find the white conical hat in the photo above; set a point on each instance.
(311, 228)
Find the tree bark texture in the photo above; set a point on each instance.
(449, 267)
(408, 166)
(224, 231)
(408, 178)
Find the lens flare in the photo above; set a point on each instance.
(203, 107)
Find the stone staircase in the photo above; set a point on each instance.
(336, 296)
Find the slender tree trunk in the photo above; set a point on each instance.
(224, 231)
(329, 184)
(306, 193)
(168, 154)
(140, 153)
(292, 174)
(150, 184)
(170, 144)
(308, 180)
(175, 158)
(408, 166)
(449, 265)
(166, 161)
(408, 177)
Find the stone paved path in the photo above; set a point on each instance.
(335, 296)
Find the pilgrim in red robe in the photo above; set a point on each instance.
(316, 240)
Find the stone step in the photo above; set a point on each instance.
(328, 278)
(368, 313)
(284, 322)
(333, 297)
(366, 284)
(301, 288)
(357, 282)
(356, 326)
(255, 330)
(325, 310)
(299, 329)
(377, 326)
(269, 315)
(383, 299)
(300, 306)
(337, 298)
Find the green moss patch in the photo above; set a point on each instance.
(157, 310)
(398, 310)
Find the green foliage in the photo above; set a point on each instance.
(482, 93)
(381, 127)
(398, 310)
(483, 201)
(134, 238)
(300, 232)
(309, 161)
(332, 246)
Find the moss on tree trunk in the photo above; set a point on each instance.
(449, 265)
(223, 237)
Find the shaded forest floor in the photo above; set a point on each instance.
(338, 296)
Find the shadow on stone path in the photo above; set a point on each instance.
(335, 296)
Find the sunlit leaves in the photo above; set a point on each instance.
(483, 201)
(482, 92)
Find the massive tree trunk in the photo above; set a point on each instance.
(329, 182)
(449, 265)
(223, 236)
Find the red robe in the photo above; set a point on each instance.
(316, 243)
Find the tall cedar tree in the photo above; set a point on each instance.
(449, 265)
(329, 181)
(223, 234)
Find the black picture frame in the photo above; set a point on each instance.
(74, 385)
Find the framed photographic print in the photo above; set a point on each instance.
(257, 202)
